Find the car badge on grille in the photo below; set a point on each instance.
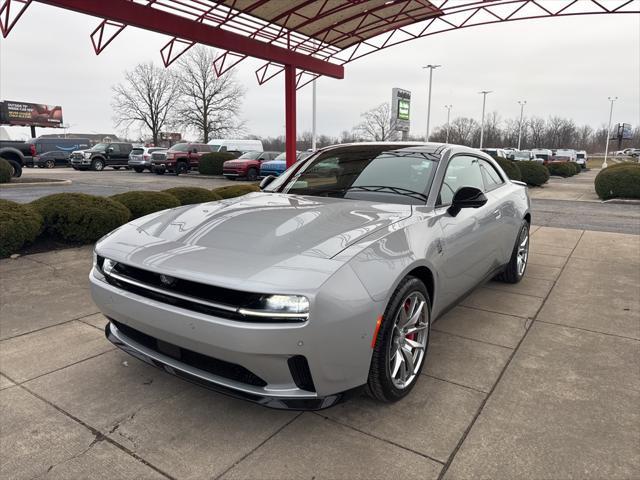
(167, 280)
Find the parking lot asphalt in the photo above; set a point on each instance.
(562, 203)
(535, 380)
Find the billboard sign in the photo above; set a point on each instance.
(622, 131)
(30, 114)
(401, 109)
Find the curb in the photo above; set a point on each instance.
(36, 184)
(623, 201)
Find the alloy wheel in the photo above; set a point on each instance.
(50, 164)
(409, 340)
(523, 251)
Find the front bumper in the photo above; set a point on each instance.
(139, 163)
(337, 351)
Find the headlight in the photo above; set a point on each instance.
(278, 306)
(87, 155)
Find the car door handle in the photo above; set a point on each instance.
(497, 214)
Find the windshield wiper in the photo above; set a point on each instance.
(382, 188)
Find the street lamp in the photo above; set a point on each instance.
(313, 120)
(448, 107)
(522, 104)
(484, 101)
(431, 69)
(606, 148)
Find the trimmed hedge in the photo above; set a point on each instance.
(510, 168)
(144, 203)
(191, 195)
(619, 182)
(78, 217)
(5, 171)
(211, 163)
(533, 173)
(577, 167)
(623, 164)
(235, 190)
(562, 169)
(19, 225)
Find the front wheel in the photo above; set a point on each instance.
(252, 175)
(98, 165)
(182, 168)
(401, 344)
(50, 164)
(514, 271)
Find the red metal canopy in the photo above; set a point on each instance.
(303, 38)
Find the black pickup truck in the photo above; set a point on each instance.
(115, 155)
(17, 153)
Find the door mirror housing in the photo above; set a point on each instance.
(266, 181)
(110, 150)
(466, 197)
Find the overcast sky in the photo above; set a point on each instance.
(560, 66)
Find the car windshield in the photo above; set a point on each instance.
(215, 148)
(137, 151)
(524, 155)
(180, 147)
(249, 156)
(282, 156)
(581, 155)
(393, 176)
(99, 146)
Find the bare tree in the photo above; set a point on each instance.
(463, 130)
(377, 124)
(537, 129)
(146, 98)
(210, 104)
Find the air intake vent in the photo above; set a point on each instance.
(301, 374)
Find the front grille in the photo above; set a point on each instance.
(299, 368)
(158, 156)
(197, 360)
(195, 296)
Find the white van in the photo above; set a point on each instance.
(565, 155)
(543, 153)
(230, 145)
(582, 158)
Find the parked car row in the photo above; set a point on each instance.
(541, 155)
(628, 152)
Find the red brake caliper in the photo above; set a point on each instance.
(411, 336)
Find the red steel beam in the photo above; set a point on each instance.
(290, 113)
(156, 20)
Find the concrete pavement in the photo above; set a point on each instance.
(535, 380)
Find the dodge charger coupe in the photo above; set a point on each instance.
(325, 281)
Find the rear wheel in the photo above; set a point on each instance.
(50, 163)
(514, 271)
(16, 168)
(97, 165)
(252, 174)
(116, 168)
(402, 341)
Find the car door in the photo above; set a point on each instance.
(112, 153)
(123, 157)
(468, 239)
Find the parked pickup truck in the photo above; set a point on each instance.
(17, 153)
(102, 155)
(180, 158)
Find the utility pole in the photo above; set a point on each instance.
(448, 107)
(484, 101)
(606, 148)
(313, 121)
(522, 104)
(431, 69)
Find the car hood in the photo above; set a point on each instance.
(260, 238)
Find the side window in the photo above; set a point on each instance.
(116, 148)
(203, 148)
(462, 171)
(490, 175)
(223, 149)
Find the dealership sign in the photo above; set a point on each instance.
(401, 109)
(30, 114)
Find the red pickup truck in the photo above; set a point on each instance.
(180, 158)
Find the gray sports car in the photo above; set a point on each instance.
(327, 280)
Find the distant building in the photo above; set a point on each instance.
(94, 138)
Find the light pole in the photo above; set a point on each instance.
(313, 120)
(484, 101)
(448, 107)
(431, 69)
(606, 148)
(522, 104)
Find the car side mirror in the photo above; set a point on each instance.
(266, 181)
(110, 150)
(466, 197)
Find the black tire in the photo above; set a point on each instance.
(182, 168)
(116, 168)
(40, 166)
(50, 164)
(159, 171)
(512, 273)
(380, 385)
(252, 175)
(97, 165)
(17, 168)
(138, 169)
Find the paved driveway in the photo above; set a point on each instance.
(536, 380)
